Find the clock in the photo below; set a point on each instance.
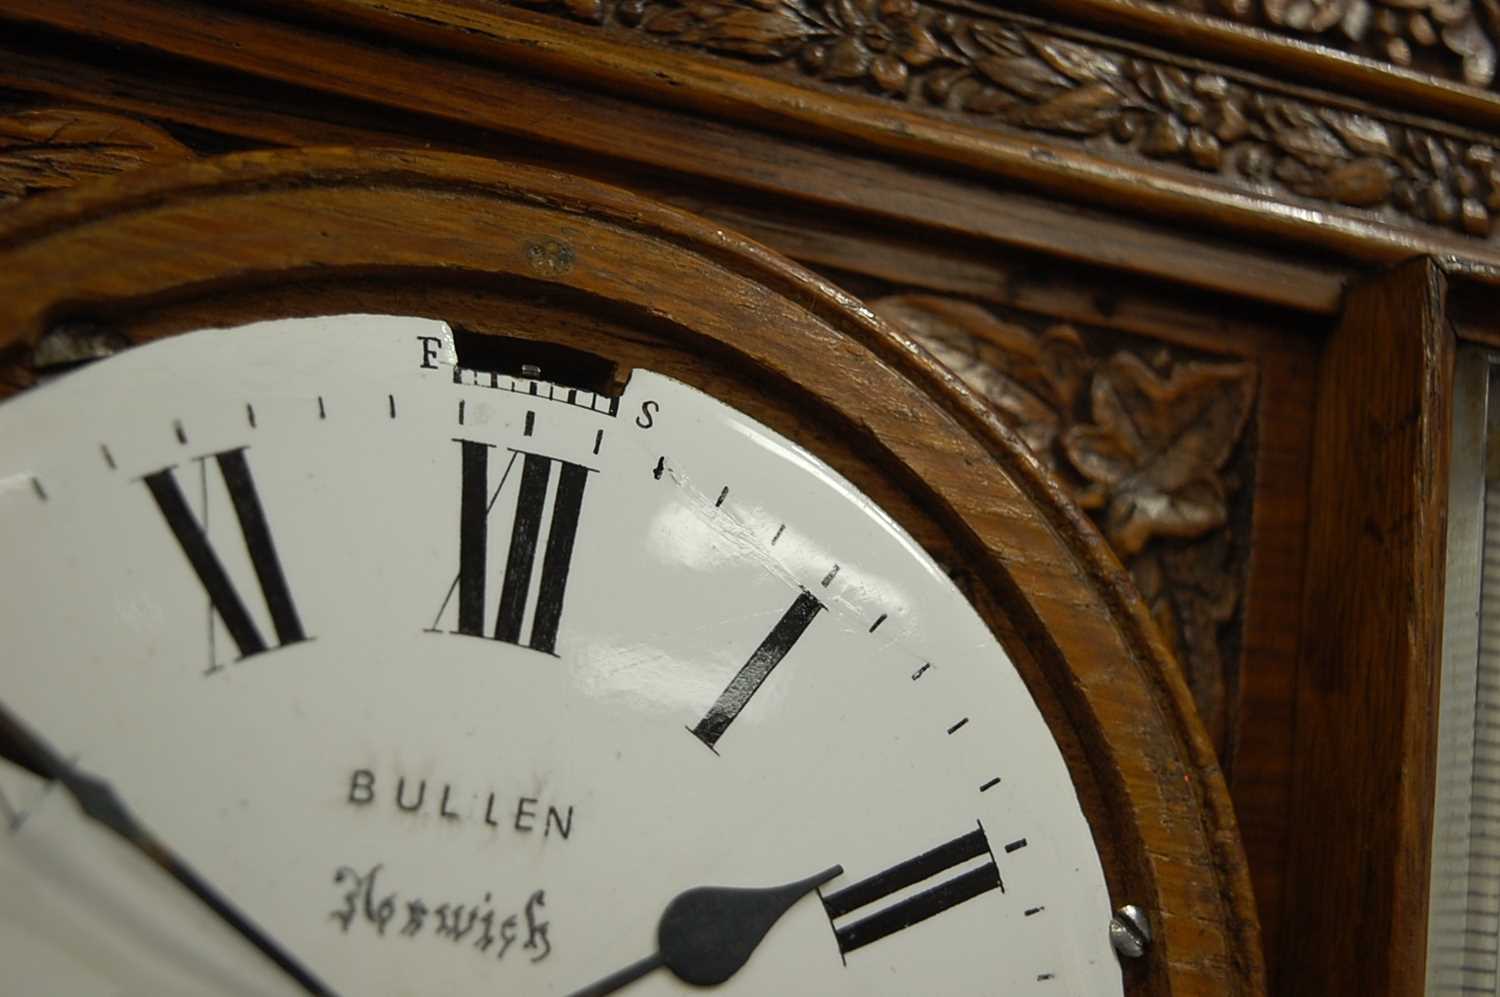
(478, 578)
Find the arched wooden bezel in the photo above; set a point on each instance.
(494, 247)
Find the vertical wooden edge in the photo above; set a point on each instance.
(1367, 688)
(1261, 776)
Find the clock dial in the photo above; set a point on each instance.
(452, 681)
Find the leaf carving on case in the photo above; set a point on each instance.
(1157, 445)
(1146, 447)
(60, 147)
(1013, 75)
(1033, 380)
(1192, 592)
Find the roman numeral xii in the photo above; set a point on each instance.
(537, 503)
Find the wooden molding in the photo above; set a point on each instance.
(737, 175)
(993, 71)
(1081, 168)
(402, 229)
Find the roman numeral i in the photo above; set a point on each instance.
(206, 564)
(757, 668)
(476, 500)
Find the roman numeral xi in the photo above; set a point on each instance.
(193, 539)
(867, 894)
(476, 499)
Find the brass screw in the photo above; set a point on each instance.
(1130, 932)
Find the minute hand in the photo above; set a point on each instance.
(98, 801)
(706, 934)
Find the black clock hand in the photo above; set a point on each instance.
(26, 748)
(706, 934)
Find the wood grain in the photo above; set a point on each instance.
(58, 147)
(544, 46)
(1118, 101)
(1255, 136)
(1367, 687)
(270, 84)
(305, 231)
(1263, 752)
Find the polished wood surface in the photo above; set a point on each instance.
(620, 121)
(1373, 618)
(266, 235)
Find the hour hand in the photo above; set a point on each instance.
(707, 934)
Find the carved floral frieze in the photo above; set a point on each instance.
(995, 71)
(1451, 38)
(1146, 445)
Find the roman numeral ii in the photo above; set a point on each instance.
(476, 499)
(193, 539)
(951, 892)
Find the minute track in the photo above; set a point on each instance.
(408, 811)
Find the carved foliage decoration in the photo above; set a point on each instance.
(1012, 75)
(47, 149)
(1147, 448)
(1156, 445)
(1453, 38)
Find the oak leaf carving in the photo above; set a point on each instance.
(1087, 110)
(1191, 593)
(1362, 134)
(1152, 462)
(1033, 380)
(1080, 63)
(1022, 76)
(770, 34)
(1154, 452)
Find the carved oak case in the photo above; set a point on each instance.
(1209, 259)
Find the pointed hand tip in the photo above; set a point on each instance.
(832, 872)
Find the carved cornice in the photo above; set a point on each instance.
(1149, 446)
(1454, 39)
(1000, 73)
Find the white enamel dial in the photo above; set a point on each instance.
(452, 682)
